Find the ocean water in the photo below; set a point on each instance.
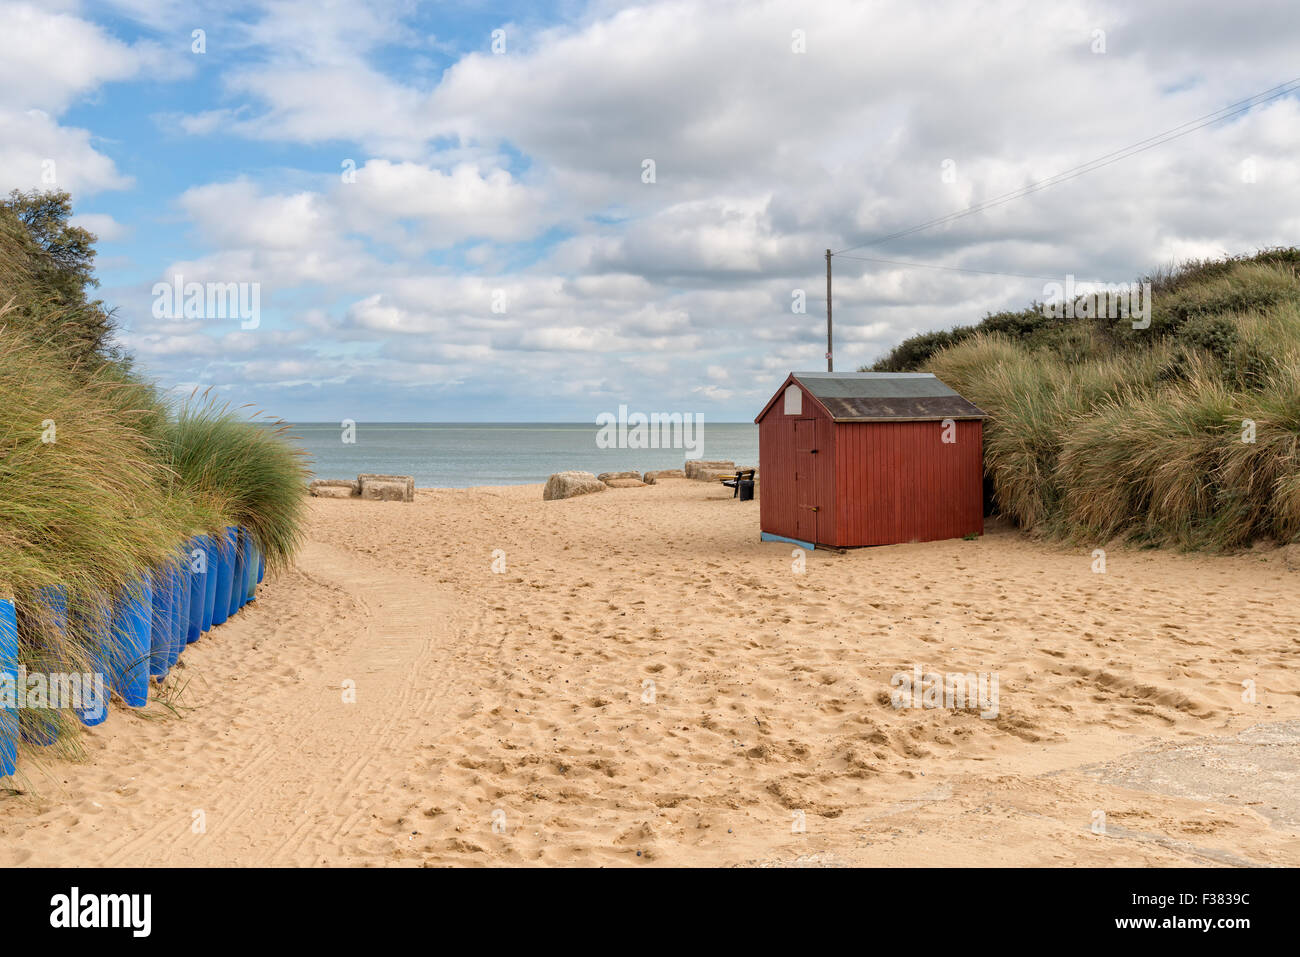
(458, 455)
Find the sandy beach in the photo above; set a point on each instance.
(645, 683)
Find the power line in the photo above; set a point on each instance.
(1141, 146)
(982, 272)
(1099, 162)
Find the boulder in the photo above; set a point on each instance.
(625, 483)
(606, 477)
(651, 477)
(695, 466)
(334, 488)
(333, 491)
(569, 484)
(378, 491)
(387, 488)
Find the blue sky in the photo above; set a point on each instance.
(499, 254)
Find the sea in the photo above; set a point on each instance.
(460, 454)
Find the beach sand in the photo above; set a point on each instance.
(648, 684)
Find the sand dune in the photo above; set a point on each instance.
(646, 683)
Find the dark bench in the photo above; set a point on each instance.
(742, 476)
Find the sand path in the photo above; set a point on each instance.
(280, 768)
(645, 683)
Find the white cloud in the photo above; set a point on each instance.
(446, 207)
(239, 215)
(37, 153)
(105, 227)
(764, 157)
(344, 104)
(48, 59)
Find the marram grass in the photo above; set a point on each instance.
(245, 469)
(83, 508)
(100, 482)
(1186, 435)
(83, 498)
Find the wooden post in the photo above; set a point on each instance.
(830, 362)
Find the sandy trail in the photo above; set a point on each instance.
(282, 770)
(645, 683)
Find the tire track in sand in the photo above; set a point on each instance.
(285, 772)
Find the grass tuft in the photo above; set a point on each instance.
(246, 469)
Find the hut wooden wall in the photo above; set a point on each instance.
(899, 482)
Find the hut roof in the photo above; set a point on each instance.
(885, 396)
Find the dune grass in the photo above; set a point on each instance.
(83, 506)
(1183, 435)
(82, 494)
(102, 479)
(100, 482)
(245, 469)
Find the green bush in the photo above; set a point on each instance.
(912, 353)
(45, 275)
(1201, 304)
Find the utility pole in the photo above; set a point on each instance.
(830, 362)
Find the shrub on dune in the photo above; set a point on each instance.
(1243, 288)
(47, 275)
(966, 367)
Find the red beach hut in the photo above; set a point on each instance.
(869, 458)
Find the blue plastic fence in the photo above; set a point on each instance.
(142, 630)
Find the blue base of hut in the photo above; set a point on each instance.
(769, 537)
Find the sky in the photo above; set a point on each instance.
(543, 211)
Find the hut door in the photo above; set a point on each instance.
(805, 479)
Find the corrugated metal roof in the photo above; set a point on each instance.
(884, 396)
